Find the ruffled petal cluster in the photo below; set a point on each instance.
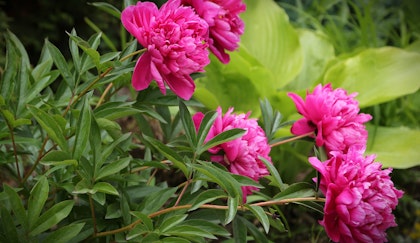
(360, 197)
(241, 155)
(334, 117)
(176, 39)
(225, 25)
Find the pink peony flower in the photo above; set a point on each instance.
(176, 41)
(225, 25)
(240, 156)
(360, 197)
(333, 116)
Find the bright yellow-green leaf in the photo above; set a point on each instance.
(396, 147)
(378, 75)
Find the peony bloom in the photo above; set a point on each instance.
(360, 197)
(240, 156)
(334, 117)
(225, 25)
(176, 41)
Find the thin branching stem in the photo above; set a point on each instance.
(92, 210)
(12, 137)
(209, 206)
(291, 139)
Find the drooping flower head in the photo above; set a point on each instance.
(334, 117)
(176, 39)
(225, 25)
(360, 197)
(241, 155)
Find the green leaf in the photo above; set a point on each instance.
(156, 200)
(174, 240)
(258, 235)
(188, 124)
(171, 221)
(208, 226)
(233, 203)
(108, 8)
(7, 225)
(299, 189)
(223, 178)
(52, 217)
(205, 125)
(394, 146)
(82, 130)
(223, 137)
(113, 168)
(64, 234)
(105, 187)
(37, 199)
(58, 157)
(274, 175)
(168, 153)
(261, 216)
(188, 230)
(61, 64)
(206, 197)
(272, 40)
(17, 206)
(144, 218)
(378, 75)
(239, 230)
(50, 125)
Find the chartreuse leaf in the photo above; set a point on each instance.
(50, 125)
(52, 217)
(64, 234)
(261, 216)
(378, 75)
(222, 138)
(82, 130)
(17, 207)
(168, 153)
(317, 51)
(7, 226)
(394, 146)
(61, 64)
(108, 8)
(272, 40)
(37, 199)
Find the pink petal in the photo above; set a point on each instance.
(142, 75)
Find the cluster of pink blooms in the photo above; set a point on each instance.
(360, 196)
(240, 156)
(177, 38)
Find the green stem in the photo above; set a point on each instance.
(209, 206)
(92, 210)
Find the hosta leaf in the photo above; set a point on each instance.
(395, 147)
(272, 40)
(378, 75)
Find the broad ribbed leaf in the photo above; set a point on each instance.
(378, 75)
(395, 147)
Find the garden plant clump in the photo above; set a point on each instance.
(214, 121)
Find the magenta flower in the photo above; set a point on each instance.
(360, 197)
(334, 117)
(240, 156)
(225, 25)
(176, 41)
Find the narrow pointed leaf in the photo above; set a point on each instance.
(261, 215)
(61, 64)
(37, 199)
(52, 217)
(64, 234)
(223, 137)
